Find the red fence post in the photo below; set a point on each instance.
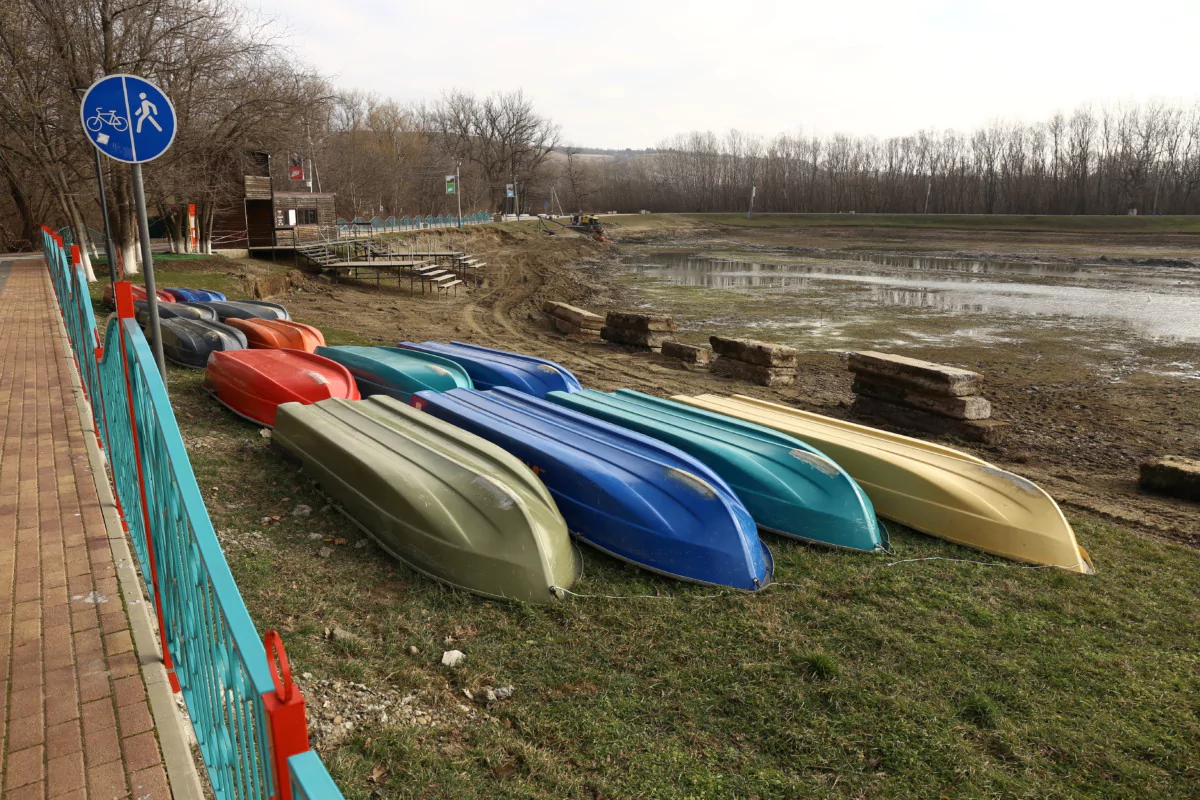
(123, 294)
(286, 720)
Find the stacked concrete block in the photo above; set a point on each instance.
(751, 360)
(689, 353)
(908, 392)
(573, 321)
(648, 331)
(1174, 476)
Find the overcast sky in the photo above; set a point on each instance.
(628, 74)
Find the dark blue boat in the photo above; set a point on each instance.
(246, 309)
(173, 310)
(195, 295)
(279, 310)
(626, 494)
(189, 342)
(495, 369)
(397, 372)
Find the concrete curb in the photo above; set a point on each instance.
(173, 731)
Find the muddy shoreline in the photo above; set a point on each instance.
(1081, 426)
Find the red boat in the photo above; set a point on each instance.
(278, 334)
(139, 293)
(252, 383)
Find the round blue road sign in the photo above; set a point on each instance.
(128, 118)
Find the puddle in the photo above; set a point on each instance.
(1153, 302)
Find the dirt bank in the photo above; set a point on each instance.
(1076, 432)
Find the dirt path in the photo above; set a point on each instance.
(1076, 433)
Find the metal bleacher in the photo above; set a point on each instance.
(371, 258)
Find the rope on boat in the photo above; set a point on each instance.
(559, 590)
(1008, 564)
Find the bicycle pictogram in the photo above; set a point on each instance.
(106, 117)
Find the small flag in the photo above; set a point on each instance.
(451, 185)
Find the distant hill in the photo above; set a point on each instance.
(602, 154)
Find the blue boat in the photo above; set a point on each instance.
(789, 487)
(495, 369)
(397, 372)
(195, 295)
(628, 495)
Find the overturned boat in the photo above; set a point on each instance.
(788, 487)
(443, 501)
(280, 311)
(252, 383)
(279, 333)
(193, 295)
(189, 342)
(243, 309)
(396, 372)
(494, 369)
(139, 293)
(625, 494)
(928, 487)
(174, 310)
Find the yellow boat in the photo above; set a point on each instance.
(928, 487)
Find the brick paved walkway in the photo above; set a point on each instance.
(74, 720)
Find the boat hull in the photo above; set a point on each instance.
(929, 487)
(443, 501)
(194, 295)
(279, 311)
(788, 487)
(174, 310)
(500, 369)
(242, 309)
(190, 342)
(265, 334)
(631, 496)
(253, 383)
(139, 293)
(396, 372)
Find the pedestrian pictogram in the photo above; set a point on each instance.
(146, 113)
(128, 118)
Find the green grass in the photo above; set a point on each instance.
(161, 257)
(851, 678)
(964, 222)
(210, 272)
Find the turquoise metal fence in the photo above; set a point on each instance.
(248, 715)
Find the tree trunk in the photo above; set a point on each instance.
(29, 226)
(81, 239)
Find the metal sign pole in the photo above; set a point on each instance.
(458, 189)
(109, 248)
(139, 197)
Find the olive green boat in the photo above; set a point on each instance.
(441, 500)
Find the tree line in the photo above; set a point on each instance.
(238, 91)
(1129, 159)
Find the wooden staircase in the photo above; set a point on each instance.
(441, 271)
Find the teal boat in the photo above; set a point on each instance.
(789, 487)
(397, 372)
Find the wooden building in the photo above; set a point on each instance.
(262, 218)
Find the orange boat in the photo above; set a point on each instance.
(139, 293)
(253, 383)
(274, 334)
